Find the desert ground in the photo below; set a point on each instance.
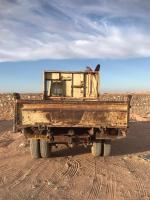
(74, 174)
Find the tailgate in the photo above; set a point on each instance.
(72, 113)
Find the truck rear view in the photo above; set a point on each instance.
(71, 113)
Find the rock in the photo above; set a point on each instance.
(22, 145)
(34, 186)
(50, 183)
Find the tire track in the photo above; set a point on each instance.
(103, 186)
(24, 176)
(94, 192)
(122, 191)
(71, 171)
(33, 192)
(108, 186)
(72, 168)
(112, 186)
(8, 171)
(88, 168)
(55, 180)
(132, 167)
(120, 175)
(11, 175)
(141, 191)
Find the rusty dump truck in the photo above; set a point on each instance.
(71, 112)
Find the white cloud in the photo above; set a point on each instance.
(31, 30)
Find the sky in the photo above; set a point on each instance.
(72, 34)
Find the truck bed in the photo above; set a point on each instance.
(72, 113)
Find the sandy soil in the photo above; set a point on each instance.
(73, 174)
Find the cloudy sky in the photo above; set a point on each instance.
(107, 31)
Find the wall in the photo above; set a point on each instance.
(140, 104)
(7, 104)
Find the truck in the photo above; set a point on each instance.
(71, 112)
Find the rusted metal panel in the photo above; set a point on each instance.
(92, 85)
(71, 114)
(75, 119)
(85, 106)
(75, 84)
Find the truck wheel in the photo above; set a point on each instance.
(96, 149)
(35, 148)
(106, 147)
(45, 149)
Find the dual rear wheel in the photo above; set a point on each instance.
(40, 148)
(101, 148)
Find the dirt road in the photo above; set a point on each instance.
(73, 174)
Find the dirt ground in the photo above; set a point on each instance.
(74, 174)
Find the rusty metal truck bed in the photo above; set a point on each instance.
(72, 113)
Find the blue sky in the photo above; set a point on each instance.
(69, 35)
(130, 75)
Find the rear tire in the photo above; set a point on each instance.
(96, 149)
(45, 149)
(35, 148)
(106, 150)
